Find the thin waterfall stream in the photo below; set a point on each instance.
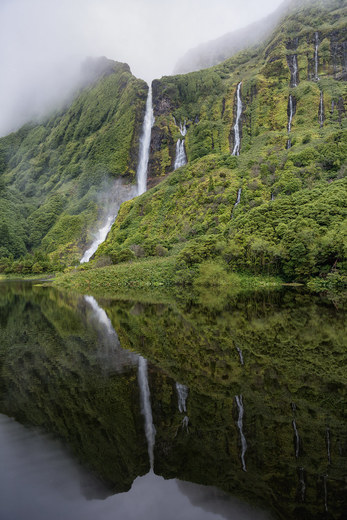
(316, 56)
(237, 126)
(145, 141)
(181, 158)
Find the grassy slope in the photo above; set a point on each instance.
(302, 232)
(51, 173)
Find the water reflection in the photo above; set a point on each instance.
(69, 365)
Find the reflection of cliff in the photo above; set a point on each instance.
(60, 373)
(293, 348)
(70, 386)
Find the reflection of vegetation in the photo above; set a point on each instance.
(54, 375)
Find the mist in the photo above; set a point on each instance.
(44, 42)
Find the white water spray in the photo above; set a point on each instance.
(181, 159)
(145, 141)
(239, 403)
(237, 142)
(183, 128)
(146, 408)
(316, 57)
(182, 393)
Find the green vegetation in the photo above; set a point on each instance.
(55, 176)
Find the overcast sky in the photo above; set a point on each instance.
(43, 41)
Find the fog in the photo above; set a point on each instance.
(43, 42)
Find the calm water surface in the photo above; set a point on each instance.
(240, 402)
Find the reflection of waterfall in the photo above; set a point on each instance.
(120, 195)
(297, 437)
(316, 56)
(237, 139)
(321, 110)
(145, 141)
(182, 392)
(325, 492)
(146, 408)
(239, 403)
(328, 444)
(302, 484)
(101, 315)
(240, 354)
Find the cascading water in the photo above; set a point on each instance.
(316, 57)
(237, 139)
(238, 200)
(295, 70)
(181, 158)
(145, 141)
(321, 110)
(120, 194)
(239, 403)
(146, 408)
(325, 493)
(182, 393)
(241, 356)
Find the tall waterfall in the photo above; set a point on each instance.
(321, 110)
(316, 57)
(238, 200)
(181, 158)
(182, 392)
(237, 139)
(146, 408)
(145, 141)
(239, 403)
(126, 193)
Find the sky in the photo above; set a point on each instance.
(43, 42)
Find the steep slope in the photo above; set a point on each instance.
(278, 205)
(57, 177)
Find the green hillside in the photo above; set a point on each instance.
(291, 219)
(52, 174)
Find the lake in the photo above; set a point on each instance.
(160, 406)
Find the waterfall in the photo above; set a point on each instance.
(141, 176)
(181, 159)
(290, 112)
(321, 110)
(239, 403)
(238, 200)
(328, 444)
(316, 57)
(183, 129)
(145, 141)
(272, 197)
(146, 408)
(241, 356)
(237, 141)
(295, 70)
(185, 423)
(182, 392)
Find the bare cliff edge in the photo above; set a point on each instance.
(56, 175)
